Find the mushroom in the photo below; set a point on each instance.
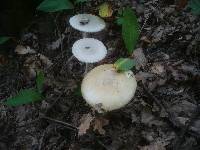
(105, 89)
(87, 23)
(89, 50)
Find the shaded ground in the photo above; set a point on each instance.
(164, 113)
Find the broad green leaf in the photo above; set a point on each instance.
(195, 6)
(55, 5)
(40, 81)
(80, 1)
(4, 39)
(130, 29)
(105, 10)
(24, 97)
(124, 64)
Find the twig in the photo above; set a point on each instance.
(60, 122)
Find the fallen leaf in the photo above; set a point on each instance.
(143, 76)
(154, 146)
(157, 68)
(99, 123)
(86, 120)
(140, 58)
(22, 50)
(45, 60)
(36, 62)
(181, 4)
(3, 60)
(105, 10)
(158, 82)
(145, 39)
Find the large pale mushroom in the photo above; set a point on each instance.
(108, 89)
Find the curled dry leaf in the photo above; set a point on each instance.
(140, 58)
(99, 123)
(36, 62)
(86, 120)
(22, 50)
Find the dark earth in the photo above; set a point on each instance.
(163, 115)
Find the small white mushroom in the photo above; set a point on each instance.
(89, 50)
(106, 88)
(87, 23)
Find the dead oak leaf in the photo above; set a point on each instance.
(86, 120)
(99, 123)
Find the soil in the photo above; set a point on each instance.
(163, 115)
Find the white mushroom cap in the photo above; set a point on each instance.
(87, 23)
(104, 86)
(89, 50)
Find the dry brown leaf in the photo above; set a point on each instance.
(154, 146)
(143, 76)
(181, 4)
(36, 62)
(3, 60)
(145, 39)
(45, 60)
(157, 68)
(158, 82)
(99, 123)
(86, 120)
(140, 58)
(22, 50)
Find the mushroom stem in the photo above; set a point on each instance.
(69, 59)
(86, 68)
(84, 34)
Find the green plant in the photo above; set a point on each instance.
(55, 5)
(124, 64)
(79, 1)
(195, 6)
(4, 39)
(130, 28)
(26, 96)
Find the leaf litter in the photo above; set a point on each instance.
(169, 34)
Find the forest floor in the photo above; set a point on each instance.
(163, 115)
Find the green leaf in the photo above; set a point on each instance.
(77, 91)
(4, 39)
(130, 29)
(24, 97)
(40, 81)
(55, 5)
(80, 1)
(119, 21)
(195, 6)
(124, 64)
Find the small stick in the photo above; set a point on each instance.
(60, 122)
